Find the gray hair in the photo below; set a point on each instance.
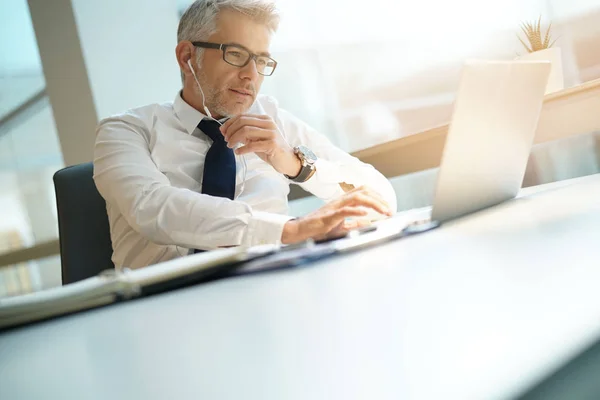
(199, 21)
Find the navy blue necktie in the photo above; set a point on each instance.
(219, 166)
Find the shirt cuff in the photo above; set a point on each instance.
(265, 228)
(325, 182)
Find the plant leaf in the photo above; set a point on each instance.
(547, 37)
(530, 28)
(524, 45)
(531, 36)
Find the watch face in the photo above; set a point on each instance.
(307, 153)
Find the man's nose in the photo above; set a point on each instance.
(249, 71)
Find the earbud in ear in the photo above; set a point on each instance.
(189, 63)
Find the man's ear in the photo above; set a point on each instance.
(183, 52)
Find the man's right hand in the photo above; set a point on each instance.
(330, 220)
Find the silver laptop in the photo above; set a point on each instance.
(490, 136)
(493, 125)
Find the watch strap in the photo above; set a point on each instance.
(305, 173)
(308, 167)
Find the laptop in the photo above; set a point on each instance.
(490, 136)
(489, 139)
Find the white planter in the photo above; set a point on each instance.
(556, 79)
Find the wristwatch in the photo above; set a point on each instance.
(308, 159)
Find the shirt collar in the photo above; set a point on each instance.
(188, 115)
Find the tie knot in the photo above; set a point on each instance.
(211, 129)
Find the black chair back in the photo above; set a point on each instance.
(84, 232)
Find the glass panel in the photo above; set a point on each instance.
(577, 28)
(20, 67)
(374, 76)
(29, 154)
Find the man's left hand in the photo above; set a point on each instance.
(259, 134)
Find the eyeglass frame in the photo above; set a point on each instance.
(223, 48)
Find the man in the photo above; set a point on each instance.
(171, 178)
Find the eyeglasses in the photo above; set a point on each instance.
(240, 56)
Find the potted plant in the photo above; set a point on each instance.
(540, 46)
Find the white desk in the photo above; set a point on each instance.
(478, 309)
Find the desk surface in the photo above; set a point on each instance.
(478, 309)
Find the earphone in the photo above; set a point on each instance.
(207, 111)
(189, 62)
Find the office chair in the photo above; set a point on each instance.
(84, 233)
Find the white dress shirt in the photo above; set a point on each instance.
(148, 166)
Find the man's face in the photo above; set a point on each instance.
(231, 90)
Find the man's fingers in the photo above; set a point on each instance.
(325, 222)
(376, 195)
(366, 200)
(338, 231)
(337, 216)
(259, 146)
(228, 123)
(366, 191)
(375, 202)
(229, 130)
(358, 223)
(248, 133)
(369, 191)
